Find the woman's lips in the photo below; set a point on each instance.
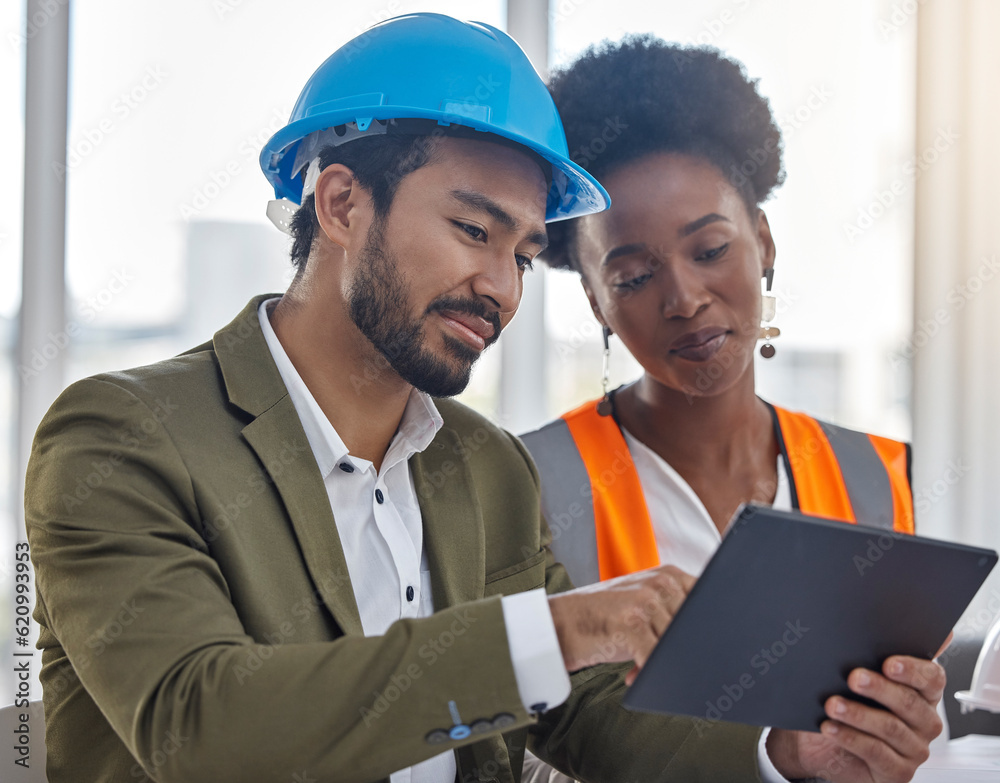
(699, 346)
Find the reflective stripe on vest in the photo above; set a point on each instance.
(847, 475)
(593, 502)
(566, 500)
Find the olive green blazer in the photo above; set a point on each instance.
(198, 621)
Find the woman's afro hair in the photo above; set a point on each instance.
(622, 101)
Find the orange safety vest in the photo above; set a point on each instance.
(833, 472)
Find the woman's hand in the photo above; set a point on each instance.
(862, 744)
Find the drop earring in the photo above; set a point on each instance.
(604, 407)
(768, 309)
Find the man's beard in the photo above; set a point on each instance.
(379, 306)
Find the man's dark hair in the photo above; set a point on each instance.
(622, 101)
(379, 164)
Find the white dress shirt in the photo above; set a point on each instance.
(687, 537)
(381, 530)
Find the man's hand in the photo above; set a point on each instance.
(619, 619)
(861, 744)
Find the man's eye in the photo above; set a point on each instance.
(524, 262)
(475, 232)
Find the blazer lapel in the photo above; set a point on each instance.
(452, 521)
(276, 435)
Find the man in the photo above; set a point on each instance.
(239, 550)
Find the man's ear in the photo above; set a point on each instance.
(339, 203)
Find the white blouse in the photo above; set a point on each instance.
(685, 534)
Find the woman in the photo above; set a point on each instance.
(675, 269)
(654, 471)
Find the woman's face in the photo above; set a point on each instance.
(674, 269)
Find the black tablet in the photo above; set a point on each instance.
(790, 604)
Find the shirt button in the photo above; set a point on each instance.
(346, 467)
(409, 592)
(379, 497)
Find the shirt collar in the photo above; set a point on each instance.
(420, 423)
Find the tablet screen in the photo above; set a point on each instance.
(790, 604)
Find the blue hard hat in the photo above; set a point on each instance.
(433, 67)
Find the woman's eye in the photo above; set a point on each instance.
(633, 283)
(715, 252)
(524, 262)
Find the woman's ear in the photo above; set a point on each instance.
(765, 240)
(594, 306)
(339, 200)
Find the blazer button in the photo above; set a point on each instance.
(437, 736)
(503, 720)
(459, 732)
(481, 726)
